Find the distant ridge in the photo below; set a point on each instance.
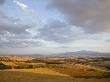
(77, 53)
(84, 53)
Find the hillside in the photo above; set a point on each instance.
(16, 58)
(12, 76)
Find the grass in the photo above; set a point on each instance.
(14, 76)
(9, 63)
(78, 70)
(23, 65)
(52, 71)
(44, 71)
(74, 70)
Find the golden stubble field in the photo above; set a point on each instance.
(53, 70)
(42, 75)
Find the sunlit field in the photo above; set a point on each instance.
(13, 76)
(52, 69)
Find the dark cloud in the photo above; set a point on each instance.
(14, 34)
(11, 18)
(91, 15)
(60, 32)
(108, 40)
(2, 2)
(18, 43)
(12, 25)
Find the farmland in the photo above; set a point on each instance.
(61, 69)
(14, 76)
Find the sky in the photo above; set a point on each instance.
(54, 26)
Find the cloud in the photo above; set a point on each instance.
(14, 34)
(17, 31)
(7, 24)
(99, 36)
(2, 2)
(19, 43)
(85, 23)
(108, 40)
(21, 5)
(92, 15)
(11, 18)
(60, 32)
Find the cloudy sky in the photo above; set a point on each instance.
(54, 26)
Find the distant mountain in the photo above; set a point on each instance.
(84, 53)
(77, 53)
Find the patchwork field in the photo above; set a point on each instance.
(14, 76)
(55, 69)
